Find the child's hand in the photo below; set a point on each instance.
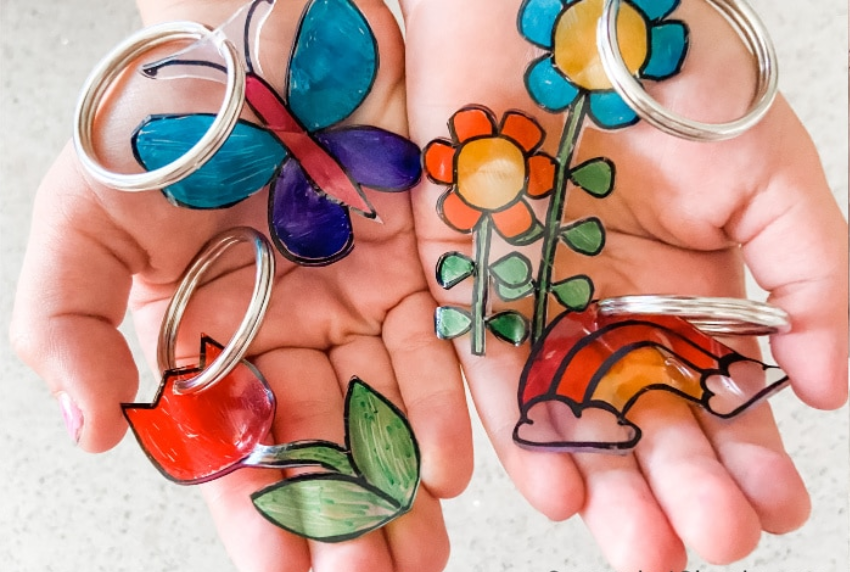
(684, 218)
(95, 250)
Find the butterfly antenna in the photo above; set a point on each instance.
(257, 14)
(200, 60)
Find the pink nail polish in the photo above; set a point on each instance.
(72, 415)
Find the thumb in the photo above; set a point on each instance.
(71, 298)
(794, 240)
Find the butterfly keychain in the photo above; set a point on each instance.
(214, 417)
(315, 166)
(589, 364)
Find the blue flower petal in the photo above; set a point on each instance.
(656, 9)
(668, 46)
(608, 110)
(537, 20)
(548, 87)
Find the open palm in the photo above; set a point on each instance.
(94, 252)
(683, 219)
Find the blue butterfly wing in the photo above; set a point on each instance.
(307, 226)
(333, 63)
(245, 163)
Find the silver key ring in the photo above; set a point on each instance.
(716, 316)
(236, 348)
(99, 84)
(745, 21)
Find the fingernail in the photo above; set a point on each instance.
(72, 415)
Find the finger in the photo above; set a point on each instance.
(367, 358)
(751, 449)
(624, 517)
(425, 521)
(550, 482)
(310, 406)
(702, 502)
(431, 386)
(251, 541)
(71, 297)
(795, 242)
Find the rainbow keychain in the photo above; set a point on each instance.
(212, 418)
(316, 168)
(588, 365)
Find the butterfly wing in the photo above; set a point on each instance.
(333, 63)
(374, 157)
(245, 163)
(308, 227)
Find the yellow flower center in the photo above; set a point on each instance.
(490, 173)
(575, 43)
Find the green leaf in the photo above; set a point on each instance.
(509, 294)
(381, 443)
(453, 268)
(585, 236)
(451, 322)
(595, 176)
(529, 236)
(574, 293)
(509, 326)
(326, 507)
(512, 270)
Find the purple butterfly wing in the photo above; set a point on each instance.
(307, 226)
(374, 157)
(312, 229)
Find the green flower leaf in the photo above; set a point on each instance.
(585, 236)
(451, 322)
(381, 443)
(453, 268)
(529, 236)
(509, 294)
(574, 293)
(326, 507)
(595, 176)
(509, 326)
(512, 270)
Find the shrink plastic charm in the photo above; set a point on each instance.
(590, 362)
(202, 428)
(317, 169)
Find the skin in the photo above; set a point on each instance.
(358, 316)
(684, 218)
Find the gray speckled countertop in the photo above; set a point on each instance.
(62, 510)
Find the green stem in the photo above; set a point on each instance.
(483, 235)
(323, 454)
(555, 214)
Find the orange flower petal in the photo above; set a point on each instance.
(456, 213)
(514, 220)
(523, 129)
(541, 175)
(439, 161)
(473, 121)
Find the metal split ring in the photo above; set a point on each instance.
(100, 81)
(236, 348)
(745, 21)
(717, 316)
